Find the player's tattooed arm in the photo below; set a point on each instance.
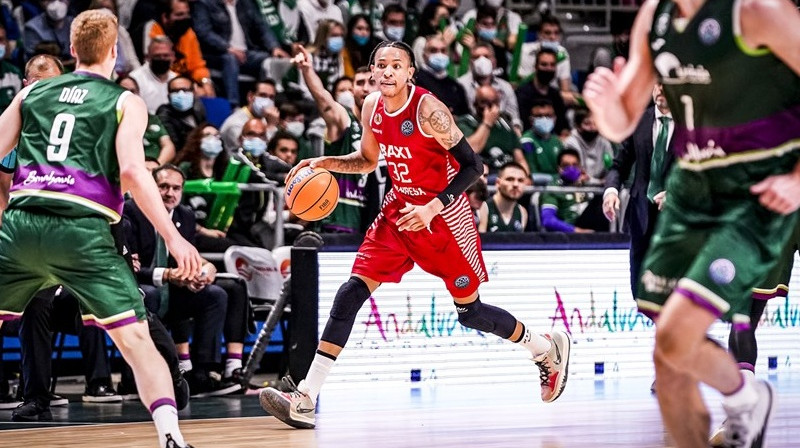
(437, 120)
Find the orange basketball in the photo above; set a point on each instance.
(312, 194)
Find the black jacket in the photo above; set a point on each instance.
(214, 29)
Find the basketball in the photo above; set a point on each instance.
(312, 194)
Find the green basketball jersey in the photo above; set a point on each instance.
(495, 219)
(346, 217)
(66, 156)
(731, 103)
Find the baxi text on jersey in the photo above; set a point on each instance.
(73, 95)
(400, 152)
(49, 179)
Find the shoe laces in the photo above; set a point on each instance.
(544, 371)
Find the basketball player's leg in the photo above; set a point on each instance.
(109, 298)
(381, 258)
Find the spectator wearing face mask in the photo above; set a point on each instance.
(482, 73)
(53, 25)
(328, 58)
(432, 75)
(312, 14)
(183, 112)
(358, 44)
(549, 36)
(487, 32)
(393, 24)
(571, 212)
(507, 21)
(597, 153)
(153, 75)
(539, 88)
(540, 146)
(260, 104)
(293, 121)
(352, 8)
(10, 75)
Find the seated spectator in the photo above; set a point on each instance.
(198, 299)
(502, 211)
(436, 19)
(153, 76)
(508, 21)
(200, 159)
(343, 136)
(486, 33)
(260, 104)
(431, 75)
(157, 143)
(293, 121)
(312, 13)
(393, 23)
(285, 148)
(50, 26)
(13, 35)
(539, 88)
(477, 194)
(235, 39)
(183, 112)
(482, 73)
(328, 54)
(352, 8)
(175, 22)
(620, 28)
(10, 75)
(539, 145)
(571, 212)
(358, 43)
(284, 19)
(596, 152)
(489, 134)
(549, 36)
(127, 60)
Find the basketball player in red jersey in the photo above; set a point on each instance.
(425, 219)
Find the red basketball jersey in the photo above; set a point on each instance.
(420, 167)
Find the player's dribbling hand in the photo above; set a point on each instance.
(416, 217)
(610, 206)
(313, 163)
(780, 193)
(189, 260)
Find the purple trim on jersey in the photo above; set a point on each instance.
(700, 301)
(764, 133)
(652, 315)
(4, 317)
(110, 326)
(89, 74)
(780, 292)
(69, 180)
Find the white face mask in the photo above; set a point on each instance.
(261, 105)
(494, 3)
(56, 10)
(482, 67)
(346, 99)
(295, 128)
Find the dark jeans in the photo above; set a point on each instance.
(207, 308)
(230, 67)
(237, 318)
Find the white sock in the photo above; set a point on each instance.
(745, 397)
(319, 370)
(749, 374)
(185, 365)
(537, 344)
(232, 364)
(166, 419)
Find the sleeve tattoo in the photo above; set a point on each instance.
(442, 124)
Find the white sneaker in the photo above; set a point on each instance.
(747, 426)
(295, 408)
(553, 368)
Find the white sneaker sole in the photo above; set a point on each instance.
(274, 403)
(564, 349)
(109, 399)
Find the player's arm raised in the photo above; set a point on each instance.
(363, 161)
(436, 120)
(618, 98)
(136, 179)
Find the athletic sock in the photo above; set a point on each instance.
(319, 370)
(165, 417)
(743, 397)
(233, 362)
(184, 362)
(537, 344)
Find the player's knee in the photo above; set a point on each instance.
(486, 318)
(349, 299)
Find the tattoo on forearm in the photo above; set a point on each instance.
(352, 163)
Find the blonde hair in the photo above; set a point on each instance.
(92, 35)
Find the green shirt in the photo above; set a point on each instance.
(495, 221)
(152, 136)
(500, 145)
(541, 153)
(568, 206)
(10, 84)
(346, 217)
(67, 155)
